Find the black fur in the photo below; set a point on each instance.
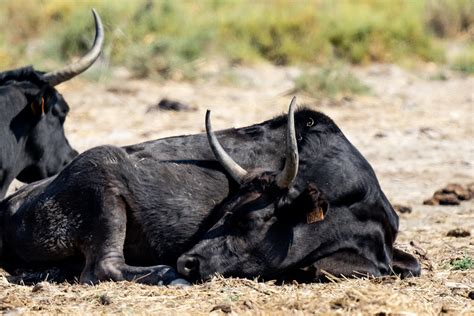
(33, 144)
(126, 212)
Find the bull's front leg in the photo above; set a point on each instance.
(103, 249)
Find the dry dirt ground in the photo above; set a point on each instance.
(416, 132)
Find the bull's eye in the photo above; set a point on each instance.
(241, 224)
(310, 122)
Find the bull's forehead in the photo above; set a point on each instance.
(304, 117)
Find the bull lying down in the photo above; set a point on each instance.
(32, 114)
(142, 211)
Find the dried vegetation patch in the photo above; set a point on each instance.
(416, 132)
(442, 291)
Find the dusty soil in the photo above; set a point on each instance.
(415, 131)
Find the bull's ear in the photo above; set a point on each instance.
(316, 206)
(37, 107)
(37, 103)
(309, 204)
(317, 213)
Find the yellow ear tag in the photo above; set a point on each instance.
(315, 215)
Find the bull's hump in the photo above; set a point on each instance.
(178, 148)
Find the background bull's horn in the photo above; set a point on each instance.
(236, 172)
(72, 70)
(287, 176)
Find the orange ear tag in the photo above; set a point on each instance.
(315, 215)
(33, 108)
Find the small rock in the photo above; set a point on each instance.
(444, 310)
(224, 308)
(430, 132)
(447, 198)
(40, 287)
(179, 283)
(170, 105)
(380, 135)
(461, 193)
(451, 194)
(471, 295)
(337, 304)
(122, 90)
(402, 209)
(248, 304)
(470, 187)
(104, 299)
(458, 232)
(431, 201)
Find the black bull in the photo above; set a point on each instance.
(32, 114)
(121, 211)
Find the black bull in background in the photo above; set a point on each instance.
(32, 114)
(138, 212)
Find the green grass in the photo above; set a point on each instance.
(448, 18)
(465, 263)
(167, 38)
(464, 62)
(330, 82)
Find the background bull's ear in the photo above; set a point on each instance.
(38, 107)
(37, 102)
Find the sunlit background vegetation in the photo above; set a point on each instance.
(162, 38)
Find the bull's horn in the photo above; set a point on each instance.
(236, 172)
(72, 70)
(288, 174)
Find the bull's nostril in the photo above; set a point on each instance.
(191, 264)
(188, 266)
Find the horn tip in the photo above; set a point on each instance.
(98, 23)
(208, 121)
(293, 102)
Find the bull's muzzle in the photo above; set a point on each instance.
(188, 266)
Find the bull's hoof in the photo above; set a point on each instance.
(180, 283)
(169, 276)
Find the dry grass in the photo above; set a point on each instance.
(407, 128)
(434, 293)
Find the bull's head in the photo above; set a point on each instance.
(255, 234)
(40, 124)
(46, 150)
(275, 225)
